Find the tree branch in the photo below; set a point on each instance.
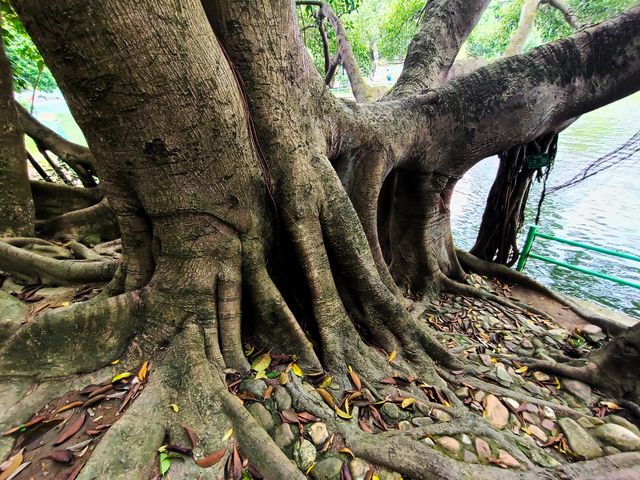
(569, 16)
(445, 26)
(514, 100)
(79, 158)
(525, 27)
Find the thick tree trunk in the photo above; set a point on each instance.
(17, 217)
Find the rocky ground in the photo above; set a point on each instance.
(546, 420)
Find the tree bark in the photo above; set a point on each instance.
(17, 217)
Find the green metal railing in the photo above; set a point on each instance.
(527, 253)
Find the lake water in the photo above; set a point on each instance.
(603, 210)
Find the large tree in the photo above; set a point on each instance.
(254, 204)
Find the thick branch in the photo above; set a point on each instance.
(525, 27)
(516, 99)
(445, 26)
(569, 16)
(79, 158)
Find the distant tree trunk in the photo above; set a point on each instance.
(16, 213)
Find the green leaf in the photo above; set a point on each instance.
(164, 463)
(262, 362)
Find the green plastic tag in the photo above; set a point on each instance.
(538, 161)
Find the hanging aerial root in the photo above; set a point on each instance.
(18, 261)
(501, 272)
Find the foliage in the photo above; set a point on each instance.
(26, 62)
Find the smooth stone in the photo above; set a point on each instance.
(558, 333)
(548, 412)
(449, 443)
(503, 376)
(623, 422)
(466, 439)
(318, 433)
(479, 396)
(511, 403)
(593, 333)
(526, 344)
(590, 422)
(428, 441)
(578, 389)
(254, 387)
(618, 437)
(495, 412)
(507, 460)
(404, 425)
(390, 411)
(537, 432)
(281, 397)
(462, 392)
(358, 468)
(422, 421)
(304, 454)
(483, 449)
(327, 468)
(580, 442)
(608, 450)
(262, 415)
(469, 457)
(283, 436)
(440, 415)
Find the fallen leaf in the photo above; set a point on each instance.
(267, 393)
(68, 406)
(73, 428)
(227, 435)
(392, 356)
(262, 362)
(326, 382)
(347, 451)
(193, 437)
(61, 456)
(79, 446)
(364, 426)
(181, 450)
(116, 361)
(408, 402)
(326, 396)
(355, 379)
(522, 369)
(308, 471)
(94, 400)
(343, 414)
(164, 463)
(174, 407)
(295, 368)
(144, 370)
(24, 426)
(121, 376)
(261, 374)
(283, 379)
(611, 405)
(14, 464)
(290, 416)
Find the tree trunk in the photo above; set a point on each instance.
(17, 218)
(232, 170)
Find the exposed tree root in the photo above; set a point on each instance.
(97, 221)
(501, 272)
(49, 270)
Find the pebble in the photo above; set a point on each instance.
(495, 412)
(462, 392)
(470, 457)
(593, 333)
(252, 386)
(503, 376)
(304, 454)
(548, 412)
(579, 390)
(580, 442)
(282, 398)
(507, 460)
(465, 439)
(440, 415)
(623, 422)
(327, 468)
(511, 403)
(390, 412)
(483, 449)
(617, 436)
(404, 425)
(449, 443)
(283, 436)
(537, 432)
(318, 433)
(358, 468)
(422, 421)
(428, 441)
(608, 450)
(590, 422)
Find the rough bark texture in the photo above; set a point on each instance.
(266, 177)
(17, 215)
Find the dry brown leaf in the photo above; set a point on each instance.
(211, 459)
(14, 464)
(73, 428)
(327, 397)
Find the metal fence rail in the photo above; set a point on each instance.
(527, 253)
